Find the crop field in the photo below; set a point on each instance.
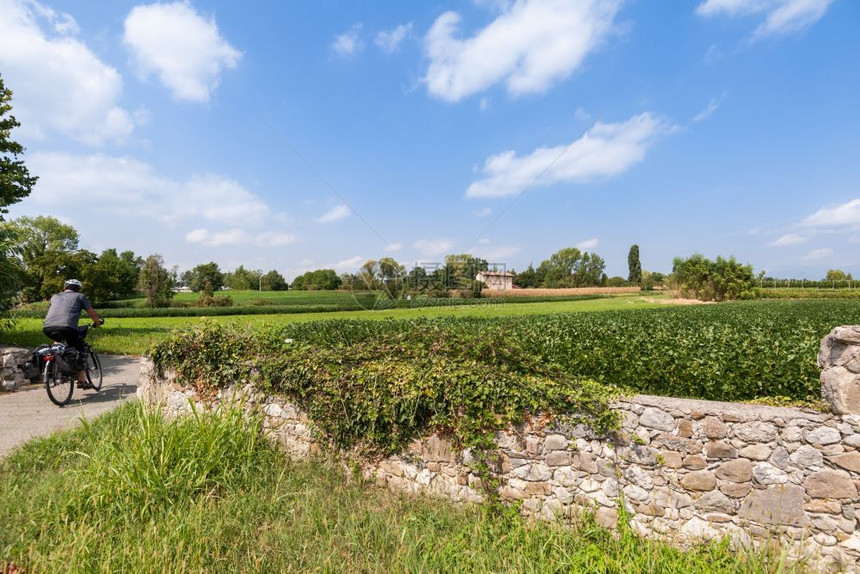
(730, 351)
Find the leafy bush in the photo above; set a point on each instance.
(209, 300)
(379, 392)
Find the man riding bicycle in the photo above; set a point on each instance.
(61, 322)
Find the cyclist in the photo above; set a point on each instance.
(61, 322)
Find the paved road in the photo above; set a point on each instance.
(29, 413)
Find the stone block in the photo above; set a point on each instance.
(699, 480)
(694, 462)
(739, 470)
(714, 428)
(671, 459)
(554, 442)
(841, 389)
(822, 435)
(736, 489)
(715, 501)
(756, 432)
(437, 449)
(765, 473)
(720, 449)
(776, 506)
(656, 419)
(685, 428)
(558, 458)
(849, 461)
(833, 484)
(606, 517)
(755, 452)
(806, 457)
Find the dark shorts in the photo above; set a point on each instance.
(71, 336)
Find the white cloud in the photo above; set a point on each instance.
(239, 237)
(389, 40)
(531, 45)
(606, 150)
(484, 104)
(781, 16)
(59, 83)
(184, 49)
(433, 247)
(391, 247)
(818, 254)
(789, 239)
(497, 253)
(709, 109)
(123, 186)
(587, 244)
(484, 212)
(351, 264)
(844, 215)
(337, 213)
(349, 43)
(581, 115)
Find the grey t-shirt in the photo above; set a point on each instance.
(65, 309)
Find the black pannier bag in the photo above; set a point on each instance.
(71, 361)
(33, 368)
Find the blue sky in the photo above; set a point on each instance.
(505, 129)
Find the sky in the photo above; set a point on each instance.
(319, 134)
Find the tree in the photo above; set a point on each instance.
(527, 279)
(461, 271)
(44, 245)
(244, 279)
(113, 276)
(719, 280)
(590, 273)
(207, 278)
(155, 282)
(837, 275)
(273, 281)
(16, 183)
(321, 279)
(634, 266)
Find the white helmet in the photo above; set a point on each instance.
(72, 283)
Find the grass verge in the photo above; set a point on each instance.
(132, 492)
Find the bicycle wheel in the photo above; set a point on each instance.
(94, 370)
(59, 388)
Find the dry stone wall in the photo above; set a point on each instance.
(11, 376)
(683, 470)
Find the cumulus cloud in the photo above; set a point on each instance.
(337, 213)
(781, 17)
(239, 237)
(528, 47)
(843, 215)
(606, 150)
(433, 247)
(587, 244)
(390, 40)
(496, 253)
(789, 239)
(348, 43)
(60, 85)
(122, 186)
(183, 48)
(351, 264)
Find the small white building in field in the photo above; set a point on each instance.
(496, 280)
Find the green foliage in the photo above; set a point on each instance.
(155, 282)
(569, 267)
(527, 279)
(838, 275)
(720, 280)
(243, 279)
(206, 278)
(207, 300)
(113, 276)
(634, 266)
(16, 183)
(380, 393)
(49, 255)
(321, 279)
(274, 281)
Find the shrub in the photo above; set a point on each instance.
(207, 300)
(720, 280)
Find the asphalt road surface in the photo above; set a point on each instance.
(29, 413)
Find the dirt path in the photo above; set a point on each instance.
(29, 413)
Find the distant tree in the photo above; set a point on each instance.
(590, 272)
(319, 280)
(206, 278)
(185, 278)
(16, 183)
(837, 275)
(273, 281)
(719, 280)
(155, 282)
(527, 279)
(461, 271)
(113, 276)
(634, 266)
(243, 279)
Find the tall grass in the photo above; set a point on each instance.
(131, 492)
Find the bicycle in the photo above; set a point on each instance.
(60, 385)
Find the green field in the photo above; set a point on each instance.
(134, 335)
